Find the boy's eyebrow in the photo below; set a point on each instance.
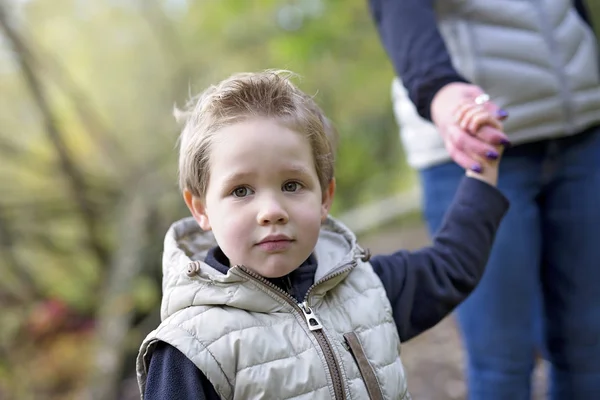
(236, 177)
(297, 169)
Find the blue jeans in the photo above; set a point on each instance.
(541, 288)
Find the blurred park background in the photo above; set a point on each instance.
(88, 169)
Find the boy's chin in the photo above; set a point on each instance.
(278, 273)
(275, 271)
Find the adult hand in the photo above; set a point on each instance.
(467, 148)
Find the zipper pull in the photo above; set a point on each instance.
(311, 318)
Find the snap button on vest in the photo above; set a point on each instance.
(366, 255)
(193, 268)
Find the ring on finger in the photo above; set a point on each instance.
(482, 98)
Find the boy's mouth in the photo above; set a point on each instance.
(275, 243)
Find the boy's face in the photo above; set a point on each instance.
(263, 202)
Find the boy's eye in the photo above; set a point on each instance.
(241, 191)
(291, 186)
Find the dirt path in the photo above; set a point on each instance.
(434, 359)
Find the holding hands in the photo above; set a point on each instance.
(470, 125)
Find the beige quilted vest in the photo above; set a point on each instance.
(254, 341)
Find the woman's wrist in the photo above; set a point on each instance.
(427, 92)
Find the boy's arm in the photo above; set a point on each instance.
(426, 285)
(172, 375)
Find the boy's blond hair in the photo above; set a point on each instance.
(268, 94)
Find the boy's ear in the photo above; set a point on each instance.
(198, 209)
(327, 199)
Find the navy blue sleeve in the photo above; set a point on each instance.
(425, 285)
(409, 33)
(172, 375)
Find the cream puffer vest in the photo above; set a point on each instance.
(254, 341)
(536, 58)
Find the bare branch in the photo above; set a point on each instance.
(96, 129)
(68, 166)
(115, 315)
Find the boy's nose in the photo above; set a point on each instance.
(272, 213)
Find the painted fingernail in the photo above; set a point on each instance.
(492, 155)
(501, 114)
(477, 168)
(505, 143)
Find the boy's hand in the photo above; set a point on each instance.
(489, 173)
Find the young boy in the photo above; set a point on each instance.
(268, 297)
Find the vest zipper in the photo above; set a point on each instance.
(314, 325)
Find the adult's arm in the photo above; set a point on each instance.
(409, 33)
